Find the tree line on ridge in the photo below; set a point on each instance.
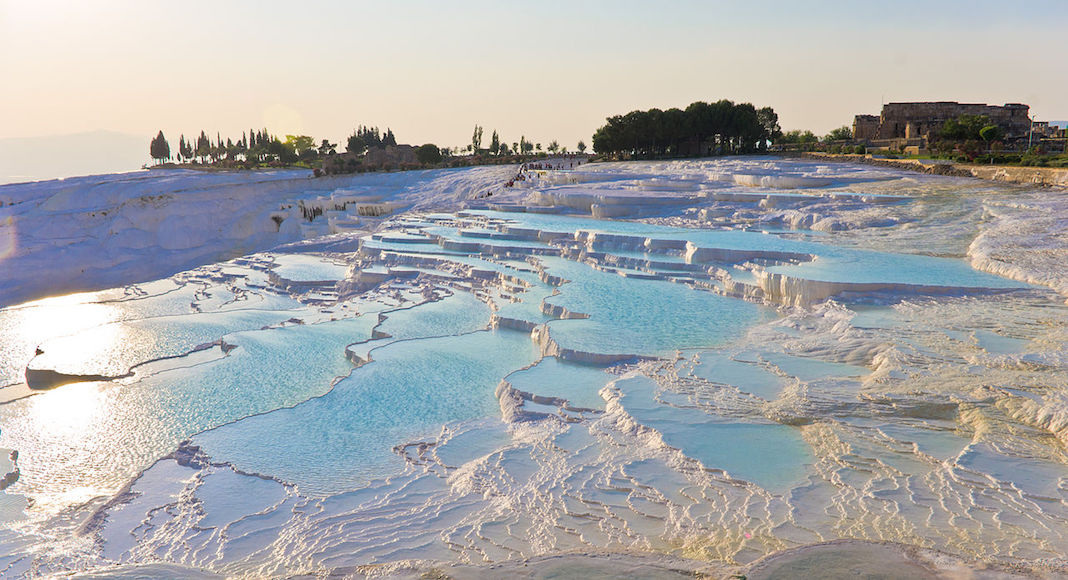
(702, 129)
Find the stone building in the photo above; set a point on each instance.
(1044, 130)
(866, 127)
(389, 155)
(916, 124)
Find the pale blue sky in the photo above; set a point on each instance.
(547, 70)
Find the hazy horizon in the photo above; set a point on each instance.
(431, 71)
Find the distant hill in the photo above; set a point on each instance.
(37, 158)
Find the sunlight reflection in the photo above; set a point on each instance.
(62, 315)
(68, 412)
(27, 327)
(96, 351)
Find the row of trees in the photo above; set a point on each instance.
(722, 127)
(500, 148)
(255, 146)
(259, 146)
(364, 138)
(797, 137)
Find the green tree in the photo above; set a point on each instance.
(700, 129)
(356, 144)
(279, 150)
(706, 122)
(388, 138)
(495, 143)
(964, 127)
(843, 133)
(219, 150)
(476, 139)
(581, 146)
(327, 148)
(769, 121)
(798, 136)
(428, 154)
(553, 146)
(298, 144)
(991, 133)
(370, 136)
(203, 149)
(159, 148)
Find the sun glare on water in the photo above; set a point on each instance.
(67, 412)
(41, 325)
(59, 431)
(63, 315)
(55, 317)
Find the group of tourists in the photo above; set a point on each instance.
(527, 171)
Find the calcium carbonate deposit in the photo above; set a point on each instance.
(706, 361)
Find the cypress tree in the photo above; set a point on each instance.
(203, 146)
(159, 148)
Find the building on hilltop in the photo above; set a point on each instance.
(390, 155)
(918, 124)
(866, 127)
(1048, 130)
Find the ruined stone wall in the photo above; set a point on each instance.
(866, 127)
(390, 154)
(915, 120)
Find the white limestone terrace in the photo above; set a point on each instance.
(418, 382)
(928, 214)
(92, 233)
(98, 232)
(590, 191)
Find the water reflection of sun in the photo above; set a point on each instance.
(64, 315)
(68, 412)
(59, 432)
(27, 327)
